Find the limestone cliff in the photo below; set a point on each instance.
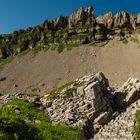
(81, 27)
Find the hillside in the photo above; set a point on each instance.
(64, 79)
(40, 73)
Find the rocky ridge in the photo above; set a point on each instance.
(81, 27)
(91, 104)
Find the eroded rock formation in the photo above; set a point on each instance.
(124, 20)
(105, 20)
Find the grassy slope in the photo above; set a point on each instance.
(38, 127)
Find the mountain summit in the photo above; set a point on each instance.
(81, 27)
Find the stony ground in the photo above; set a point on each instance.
(49, 69)
(91, 104)
(122, 127)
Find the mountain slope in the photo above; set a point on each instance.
(47, 70)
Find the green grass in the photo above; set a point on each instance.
(60, 48)
(71, 46)
(54, 93)
(125, 41)
(137, 127)
(23, 53)
(14, 127)
(5, 61)
(99, 44)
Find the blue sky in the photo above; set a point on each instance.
(17, 14)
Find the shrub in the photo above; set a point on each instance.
(125, 41)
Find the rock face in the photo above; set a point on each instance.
(105, 20)
(81, 27)
(124, 20)
(128, 93)
(81, 17)
(60, 22)
(120, 128)
(138, 18)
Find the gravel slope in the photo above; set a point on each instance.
(47, 70)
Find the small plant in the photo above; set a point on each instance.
(60, 48)
(125, 41)
(5, 61)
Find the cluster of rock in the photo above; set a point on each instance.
(82, 104)
(122, 127)
(78, 28)
(91, 104)
(35, 100)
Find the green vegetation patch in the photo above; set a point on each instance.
(125, 41)
(54, 93)
(23, 53)
(71, 86)
(5, 61)
(60, 48)
(19, 120)
(99, 44)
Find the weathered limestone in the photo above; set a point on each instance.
(120, 128)
(83, 104)
(128, 93)
(124, 20)
(106, 20)
(81, 17)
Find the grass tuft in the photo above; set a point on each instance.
(125, 41)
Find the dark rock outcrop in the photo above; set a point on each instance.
(124, 20)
